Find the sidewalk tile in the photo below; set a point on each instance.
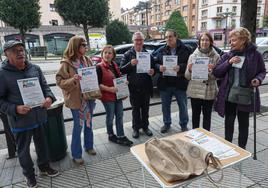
(117, 182)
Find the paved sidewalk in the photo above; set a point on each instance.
(115, 167)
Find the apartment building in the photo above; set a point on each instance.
(220, 16)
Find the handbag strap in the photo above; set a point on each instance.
(216, 163)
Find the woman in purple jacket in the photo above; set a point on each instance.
(241, 69)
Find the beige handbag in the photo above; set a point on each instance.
(92, 95)
(178, 160)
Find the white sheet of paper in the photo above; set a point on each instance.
(89, 79)
(213, 145)
(194, 134)
(120, 84)
(240, 64)
(170, 61)
(200, 68)
(31, 92)
(144, 62)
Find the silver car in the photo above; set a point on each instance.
(262, 44)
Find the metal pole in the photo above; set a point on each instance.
(147, 19)
(225, 38)
(254, 123)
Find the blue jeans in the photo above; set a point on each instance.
(114, 109)
(76, 147)
(181, 98)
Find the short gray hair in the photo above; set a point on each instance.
(138, 33)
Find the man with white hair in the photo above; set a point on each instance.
(140, 86)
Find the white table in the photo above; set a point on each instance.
(139, 152)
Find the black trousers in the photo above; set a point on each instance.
(243, 124)
(140, 102)
(205, 106)
(23, 140)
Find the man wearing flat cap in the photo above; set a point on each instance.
(26, 122)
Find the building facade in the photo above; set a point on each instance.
(220, 16)
(159, 11)
(53, 32)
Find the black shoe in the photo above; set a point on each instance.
(165, 128)
(124, 141)
(148, 132)
(47, 171)
(113, 138)
(135, 134)
(183, 129)
(31, 182)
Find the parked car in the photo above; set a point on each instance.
(121, 49)
(262, 46)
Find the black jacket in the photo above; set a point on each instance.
(141, 82)
(10, 95)
(180, 81)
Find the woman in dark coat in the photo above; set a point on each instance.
(239, 78)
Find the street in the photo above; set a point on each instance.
(50, 67)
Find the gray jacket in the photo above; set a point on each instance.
(10, 95)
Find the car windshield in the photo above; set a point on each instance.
(261, 40)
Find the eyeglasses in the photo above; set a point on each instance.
(169, 36)
(17, 51)
(138, 40)
(84, 45)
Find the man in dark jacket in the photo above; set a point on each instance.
(25, 122)
(173, 85)
(140, 86)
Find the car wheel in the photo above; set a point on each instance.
(265, 55)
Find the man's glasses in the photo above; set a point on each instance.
(17, 51)
(169, 36)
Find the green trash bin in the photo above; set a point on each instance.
(55, 131)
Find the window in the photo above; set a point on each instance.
(259, 1)
(233, 23)
(218, 23)
(257, 23)
(234, 9)
(217, 36)
(203, 25)
(185, 8)
(193, 18)
(177, 2)
(234, 1)
(204, 2)
(193, 6)
(185, 18)
(219, 1)
(193, 29)
(219, 9)
(204, 13)
(258, 11)
(54, 22)
(52, 7)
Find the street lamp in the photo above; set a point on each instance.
(225, 15)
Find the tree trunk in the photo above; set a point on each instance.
(248, 16)
(85, 29)
(22, 36)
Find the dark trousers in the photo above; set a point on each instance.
(205, 106)
(140, 102)
(243, 124)
(23, 140)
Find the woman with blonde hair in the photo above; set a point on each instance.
(67, 79)
(241, 69)
(202, 92)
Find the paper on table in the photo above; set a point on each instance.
(213, 145)
(200, 68)
(170, 61)
(120, 84)
(89, 79)
(31, 92)
(240, 64)
(194, 134)
(144, 62)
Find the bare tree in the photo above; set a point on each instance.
(248, 16)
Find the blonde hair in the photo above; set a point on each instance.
(72, 48)
(108, 47)
(242, 33)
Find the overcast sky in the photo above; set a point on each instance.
(129, 3)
